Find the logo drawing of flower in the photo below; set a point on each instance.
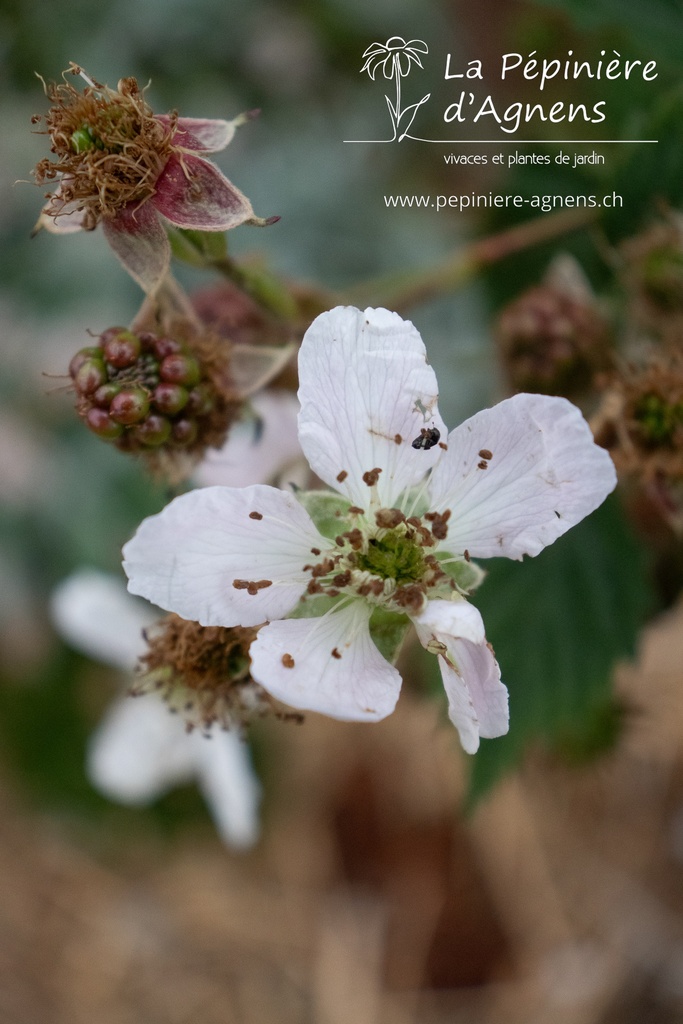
(395, 58)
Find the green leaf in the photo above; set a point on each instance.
(559, 623)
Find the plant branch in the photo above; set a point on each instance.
(402, 291)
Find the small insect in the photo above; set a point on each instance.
(429, 436)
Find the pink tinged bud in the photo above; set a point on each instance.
(180, 369)
(130, 406)
(77, 361)
(155, 431)
(90, 375)
(101, 423)
(185, 431)
(170, 398)
(122, 350)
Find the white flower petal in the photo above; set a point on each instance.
(198, 555)
(93, 612)
(545, 474)
(366, 391)
(328, 664)
(259, 449)
(446, 620)
(139, 751)
(477, 700)
(228, 783)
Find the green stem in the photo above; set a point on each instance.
(266, 289)
(405, 290)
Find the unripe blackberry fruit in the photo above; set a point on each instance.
(92, 352)
(180, 369)
(104, 394)
(163, 347)
(122, 350)
(101, 423)
(131, 405)
(552, 342)
(170, 398)
(154, 431)
(150, 394)
(90, 375)
(185, 431)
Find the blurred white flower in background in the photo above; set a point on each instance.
(140, 750)
(265, 448)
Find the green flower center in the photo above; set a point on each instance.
(393, 557)
(657, 418)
